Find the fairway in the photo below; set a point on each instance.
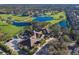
(10, 30)
(17, 18)
(58, 18)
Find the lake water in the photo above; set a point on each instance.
(39, 19)
(43, 19)
(63, 24)
(21, 23)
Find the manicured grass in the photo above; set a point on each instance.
(57, 18)
(18, 18)
(1, 23)
(55, 21)
(9, 30)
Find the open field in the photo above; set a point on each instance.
(18, 18)
(58, 17)
(10, 30)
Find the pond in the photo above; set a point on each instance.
(39, 19)
(43, 19)
(63, 24)
(21, 23)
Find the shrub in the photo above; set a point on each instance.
(42, 42)
(6, 49)
(33, 50)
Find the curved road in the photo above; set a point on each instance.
(47, 41)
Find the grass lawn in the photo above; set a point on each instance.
(1, 23)
(18, 18)
(9, 30)
(57, 18)
(55, 21)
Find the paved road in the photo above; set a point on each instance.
(44, 45)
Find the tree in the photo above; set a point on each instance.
(57, 48)
(8, 50)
